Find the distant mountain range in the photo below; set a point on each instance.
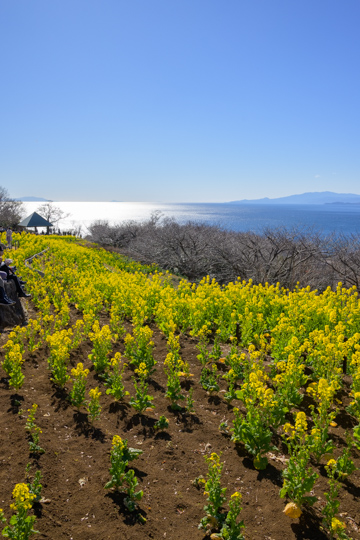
(32, 199)
(322, 197)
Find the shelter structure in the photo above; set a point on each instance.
(35, 220)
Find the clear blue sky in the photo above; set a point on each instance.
(179, 100)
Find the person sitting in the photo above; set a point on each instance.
(8, 263)
(10, 274)
(4, 299)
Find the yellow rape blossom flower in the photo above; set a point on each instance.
(337, 525)
(94, 393)
(22, 496)
(79, 371)
(117, 441)
(300, 422)
(141, 370)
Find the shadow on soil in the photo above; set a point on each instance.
(270, 473)
(351, 488)
(60, 399)
(130, 518)
(4, 381)
(156, 386)
(38, 509)
(345, 420)
(188, 420)
(162, 436)
(83, 426)
(308, 527)
(145, 423)
(119, 408)
(214, 400)
(15, 403)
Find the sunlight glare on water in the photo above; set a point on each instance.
(84, 213)
(324, 218)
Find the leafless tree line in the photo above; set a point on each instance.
(193, 250)
(11, 211)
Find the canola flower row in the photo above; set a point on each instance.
(283, 344)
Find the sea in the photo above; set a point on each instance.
(324, 218)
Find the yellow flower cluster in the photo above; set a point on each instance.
(101, 335)
(300, 427)
(337, 525)
(117, 442)
(94, 393)
(23, 497)
(257, 391)
(116, 360)
(300, 422)
(79, 372)
(142, 371)
(323, 391)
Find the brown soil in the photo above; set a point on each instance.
(75, 465)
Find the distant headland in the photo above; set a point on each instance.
(32, 199)
(322, 197)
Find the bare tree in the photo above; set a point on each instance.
(285, 256)
(52, 213)
(76, 229)
(342, 255)
(11, 211)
